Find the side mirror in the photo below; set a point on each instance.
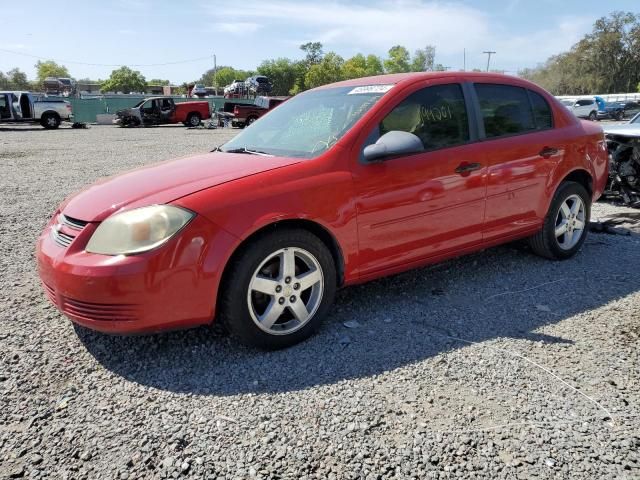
(393, 143)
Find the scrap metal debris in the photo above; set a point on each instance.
(625, 223)
(624, 167)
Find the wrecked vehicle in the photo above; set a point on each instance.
(24, 107)
(623, 143)
(163, 111)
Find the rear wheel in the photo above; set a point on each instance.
(250, 120)
(593, 116)
(566, 224)
(619, 115)
(279, 289)
(50, 121)
(193, 120)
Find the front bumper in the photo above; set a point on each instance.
(171, 287)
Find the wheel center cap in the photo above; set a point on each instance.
(287, 290)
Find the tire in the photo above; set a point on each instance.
(593, 116)
(50, 121)
(250, 120)
(268, 320)
(547, 243)
(193, 119)
(619, 115)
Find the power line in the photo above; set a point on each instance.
(106, 64)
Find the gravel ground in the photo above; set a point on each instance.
(496, 365)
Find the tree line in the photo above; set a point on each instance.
(288, 76)
(607, 60)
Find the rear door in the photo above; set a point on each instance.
(521, 149)
(411, 207)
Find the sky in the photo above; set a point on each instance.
(241, 34)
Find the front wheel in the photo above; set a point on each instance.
(278, 289)
(566, 224)
(593, 116)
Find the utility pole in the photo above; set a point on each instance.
(464, 59)
(215, 74)
(489, 53)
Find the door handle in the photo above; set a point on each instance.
(547, 152)
(466, 168)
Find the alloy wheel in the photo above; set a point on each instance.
(285, 291)
(570, 222)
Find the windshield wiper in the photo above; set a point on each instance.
(246, 150)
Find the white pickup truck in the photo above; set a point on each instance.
(25, 107)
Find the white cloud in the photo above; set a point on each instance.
(378, 25)
(14, 46)
(236, 28)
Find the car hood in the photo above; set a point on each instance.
(627, 129)
(165, 182)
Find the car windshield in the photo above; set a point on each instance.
(568, 103)
(309, 123)
(635, 119)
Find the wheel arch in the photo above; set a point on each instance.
(581, 176)
(320, 231)
(50, 112)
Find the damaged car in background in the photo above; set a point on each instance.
(623, 143)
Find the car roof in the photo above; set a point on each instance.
(408, 78)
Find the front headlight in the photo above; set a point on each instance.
(138, 230)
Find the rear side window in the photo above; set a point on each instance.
(437, 115)
(505, 109)
(541, 111)
(584, 103)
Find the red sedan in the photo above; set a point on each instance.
(339, 185)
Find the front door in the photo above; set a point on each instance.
(417, 206)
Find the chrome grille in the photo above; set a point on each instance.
(60, 238)
(71, 225)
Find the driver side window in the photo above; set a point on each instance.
(437, 115)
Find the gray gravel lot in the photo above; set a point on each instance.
(496, 365)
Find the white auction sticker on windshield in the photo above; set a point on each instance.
(370, 89)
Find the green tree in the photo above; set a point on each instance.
(284, 73)
(224, 76)
(124, 80)
(607, 60)
(158, 81)
(313, 53)
(49, 68)
(329, 70)
(360, 66)
(16, 80)
(423, 59)
(398, 60)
